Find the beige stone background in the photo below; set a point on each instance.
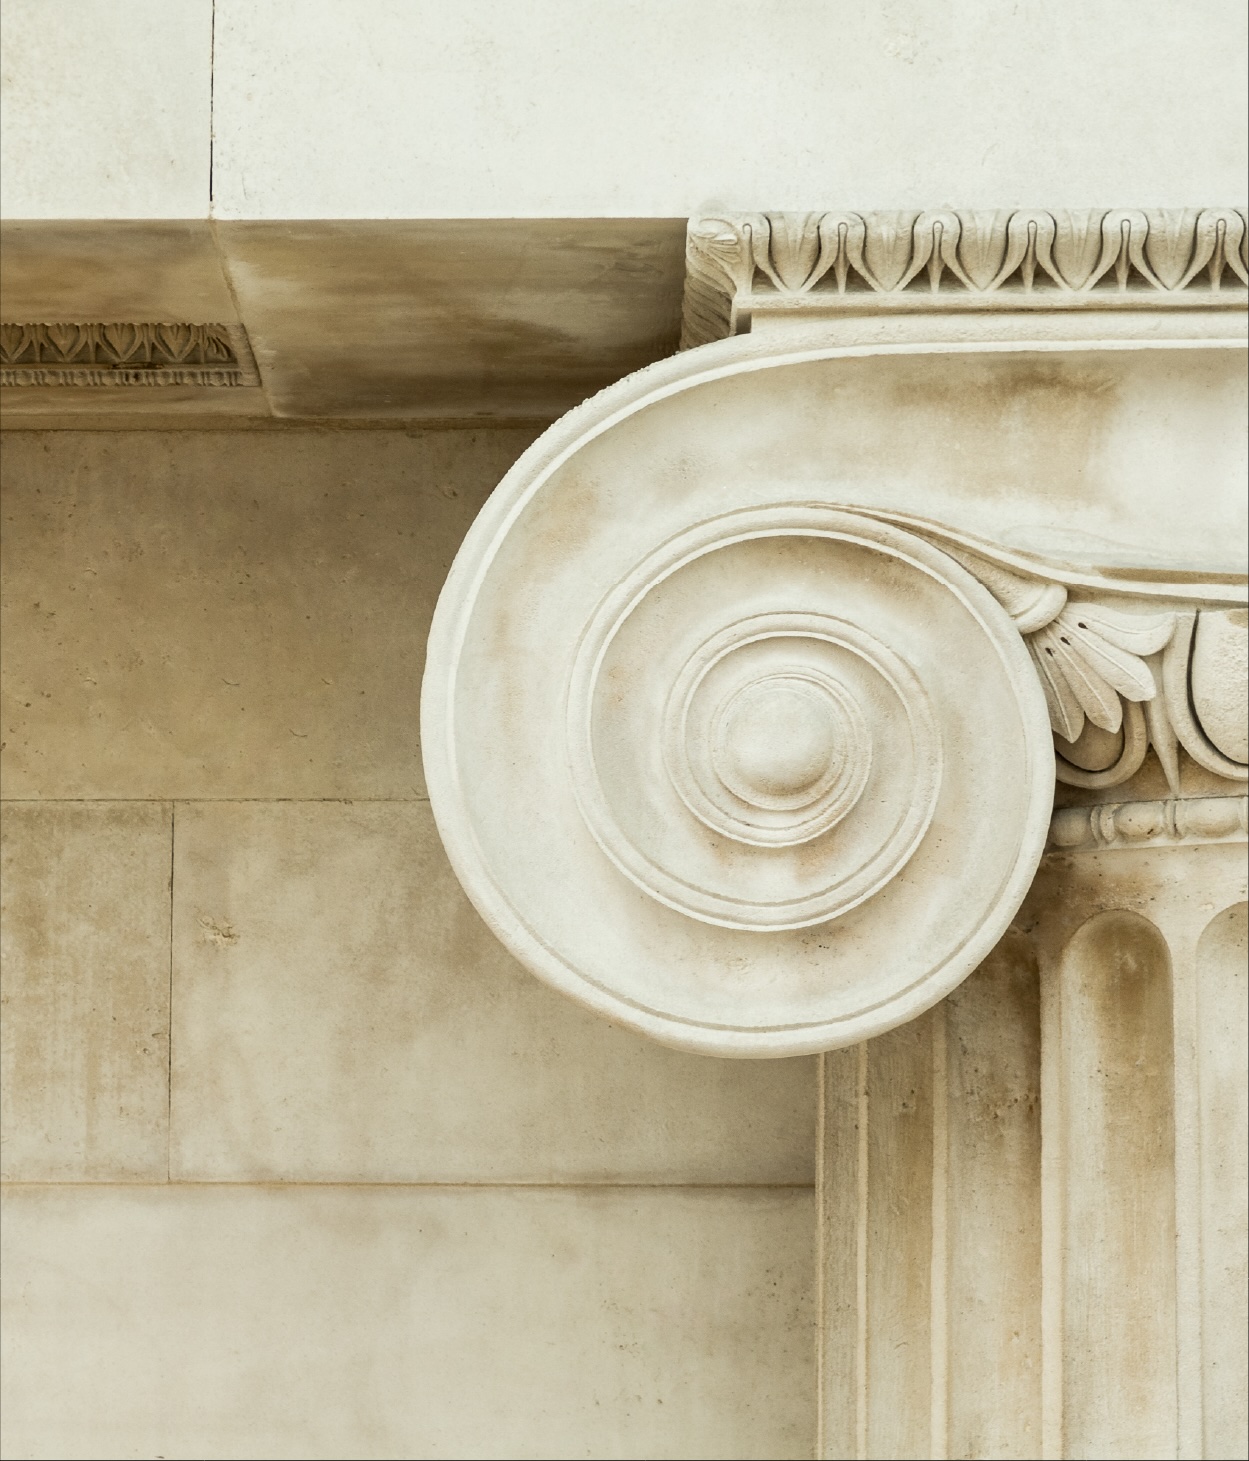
(300, 1163)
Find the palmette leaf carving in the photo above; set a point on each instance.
(125, 353)
(1104, 258)
(1091, 659)
(1123, 670)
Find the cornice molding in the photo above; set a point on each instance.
(126, 353)
(958, 260)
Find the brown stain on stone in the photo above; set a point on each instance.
(484, 317)
(111, 270)
(85, 929)
(990, 424)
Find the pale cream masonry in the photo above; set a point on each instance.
(865, 682)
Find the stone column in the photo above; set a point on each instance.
(1033, 1198)
(873, 684)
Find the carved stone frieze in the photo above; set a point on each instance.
(125, 354)
(756, 747)
(947, 259)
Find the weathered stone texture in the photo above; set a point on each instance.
(85, 1028)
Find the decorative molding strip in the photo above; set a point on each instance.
(1150, 824)
(125, 354)
(955, 260)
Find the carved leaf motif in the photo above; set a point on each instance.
(175, 341)
(1029, 242)
(1139, 634)
(982, 246)
(935, 237)
(1077, 246)
(844, 234)
(1090, 659)
(1077, 691)
(796, 257)
(1065, 711)
(718, 269)
(979, 251)
(1218, 244)
(215, 345)
(887, 249)
(1124, 231)
(121, 341)
(720, 246)
(18, 343)
(66, 340)
(1169, 244)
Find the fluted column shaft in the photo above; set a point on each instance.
(1032, 1199)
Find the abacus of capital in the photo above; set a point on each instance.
(869, 679)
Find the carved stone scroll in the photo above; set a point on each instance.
(749, 692)
(720, 810)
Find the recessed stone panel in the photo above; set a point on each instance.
(328, 1323)
(341, 1013)
(86, 991)
(205, 615)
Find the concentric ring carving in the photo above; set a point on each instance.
(799, 753)
(752, 804)
(770, 731)
(762, 744)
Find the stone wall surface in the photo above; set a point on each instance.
(283, 1121)
(312, 109)
(298, 1159)
(300, 1162)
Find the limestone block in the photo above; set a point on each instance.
(107, 109)
(559, 110)
(207, 615)
(86, 991)
(320, 1322)
(342, 1014)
